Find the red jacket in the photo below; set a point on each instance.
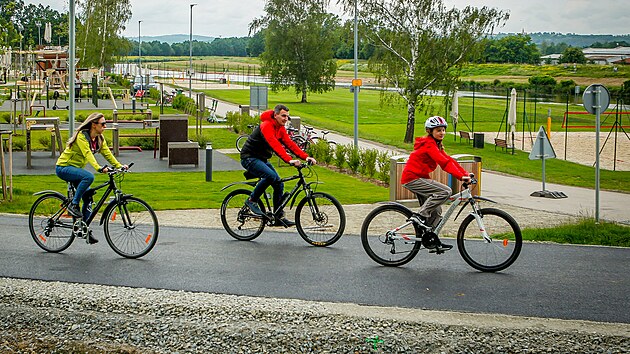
(425, 158)
(269, 137)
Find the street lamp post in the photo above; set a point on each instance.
(140, 54)
(190, 70)
(39, 32)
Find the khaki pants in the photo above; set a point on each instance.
(431, 195)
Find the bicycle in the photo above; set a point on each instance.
(308, 137)
(129, 223)
(240, 141)
(319, 217)
(488, 239)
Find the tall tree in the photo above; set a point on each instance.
(421, 45)
(573, 55)
(299, 37)
(99, 32)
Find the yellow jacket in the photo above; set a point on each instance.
(80, 154)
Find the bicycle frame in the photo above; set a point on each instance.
(300, 186)
(464, 197)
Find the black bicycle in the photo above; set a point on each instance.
(129, 223)
(319, 217)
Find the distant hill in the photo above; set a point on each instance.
(572, 39)
(173, 38)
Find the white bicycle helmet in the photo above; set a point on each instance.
(434, 122)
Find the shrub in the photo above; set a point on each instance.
(340, 156)
(368, 162)
(45, 141)
(383, 162)
(202, 140)
(19, 145)
(239, 122)
(5, 117)
(181, 102)
(143, 143)
(354, 158)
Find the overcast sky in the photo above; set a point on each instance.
(230, 18)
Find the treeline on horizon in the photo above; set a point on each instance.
(501, 48)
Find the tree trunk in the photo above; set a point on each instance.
(411, 123)
(303, 96)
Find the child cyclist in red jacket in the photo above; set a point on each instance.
(428, 153)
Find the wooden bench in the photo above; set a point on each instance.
(502, 143)
(464, 135)
(183, 153)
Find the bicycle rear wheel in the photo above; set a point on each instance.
(131, 228)
(501, 251)
(240, 141)
(320, 219)
(377, 233)
(238, 220)
(50, 224)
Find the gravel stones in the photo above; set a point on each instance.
(38, 316)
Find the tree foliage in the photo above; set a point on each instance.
(517, 49)
(18, 18)
(421, 45)
(573, 55)
(299, 37)
(99, 38)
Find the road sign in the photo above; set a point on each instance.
(590, 98)
(542, 148)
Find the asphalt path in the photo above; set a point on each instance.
(548, 280)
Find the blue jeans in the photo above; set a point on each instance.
(268, 177)
(80, 178)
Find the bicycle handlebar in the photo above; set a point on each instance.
(114, 171)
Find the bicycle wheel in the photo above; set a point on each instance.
(50, 224)
(300, 142)
(320, 219)
(377, 231)
(501, 251)
(131, 228)
(238, 220)
(240, 141)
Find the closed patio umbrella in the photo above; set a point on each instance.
(455, 112)
(511, 118)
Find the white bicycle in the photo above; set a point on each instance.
(488, 239)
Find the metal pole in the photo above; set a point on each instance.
(190, 71)
(71, 65)
(356, 74)
(140, 54)
(598, 109)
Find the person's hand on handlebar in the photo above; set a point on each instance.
(468, 178)
(311, 160)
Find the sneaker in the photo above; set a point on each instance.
(253, 206)
(441, 248)
(418, 220)
(91, 239)
(283, 222)
(73, 209)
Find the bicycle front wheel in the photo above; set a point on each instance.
(240, 141)
(497, 253)
(131, 228)
(238, 220)
(50, 224)
(383, 239)
(320, 219)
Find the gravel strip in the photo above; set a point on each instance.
(38, 316)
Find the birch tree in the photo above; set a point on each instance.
(299, 40)
(101, 23)
(420, 46)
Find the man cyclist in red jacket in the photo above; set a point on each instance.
(428, 153)
(268, 138)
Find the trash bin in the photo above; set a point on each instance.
(478, 140)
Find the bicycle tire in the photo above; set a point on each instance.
(240, 141)
(376, 241)
(50, 224)
(323, 221)
(237, 220)
(131, 228)
(490, 256)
